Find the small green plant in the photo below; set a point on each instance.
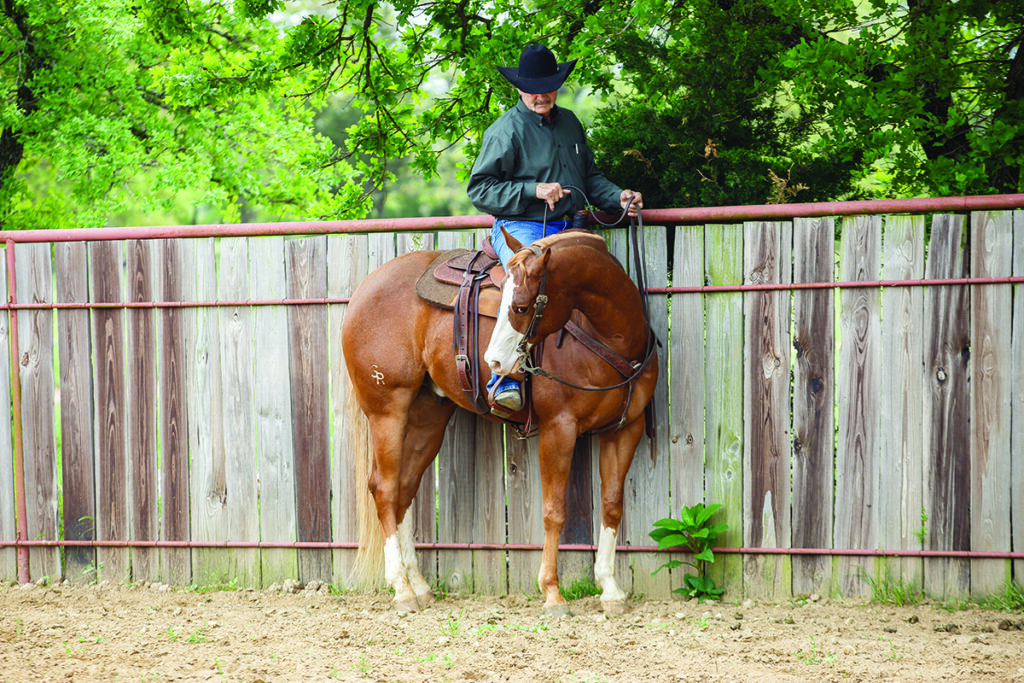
(91, 574)
(441, 586)
(813, 656)
(693, 530)
(581, 588)
(450, 627)
(197, 637)
(922, 532)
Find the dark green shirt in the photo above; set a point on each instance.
(522, 149)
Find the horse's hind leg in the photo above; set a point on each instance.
(617, 451)
(395, 486)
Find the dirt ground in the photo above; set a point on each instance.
(154, 633)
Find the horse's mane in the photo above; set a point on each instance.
(579, 235)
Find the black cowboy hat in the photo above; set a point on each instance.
(538, 71)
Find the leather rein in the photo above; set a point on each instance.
(631, 370)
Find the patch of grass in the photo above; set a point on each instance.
(231, 585)
(441, 586)
(1010, 600)
(580, 588)
(890, 590)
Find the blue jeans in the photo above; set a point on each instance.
(527, 232)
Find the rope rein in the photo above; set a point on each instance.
(640, 261)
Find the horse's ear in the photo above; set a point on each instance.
(545, 257)
(510, 241)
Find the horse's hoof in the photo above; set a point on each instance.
(614, 608)
(425, 600)
(557, 610)
(406, 606)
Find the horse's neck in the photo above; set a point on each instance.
(612, 304)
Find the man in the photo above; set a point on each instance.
(530, 160)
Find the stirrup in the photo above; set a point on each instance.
(505, 394)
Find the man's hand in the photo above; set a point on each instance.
(638, 201)
(551, 193)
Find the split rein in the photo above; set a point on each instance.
(540, 303)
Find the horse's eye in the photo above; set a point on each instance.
(520, 310)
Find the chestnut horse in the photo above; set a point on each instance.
(398, 351)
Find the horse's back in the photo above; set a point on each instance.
(393, 279)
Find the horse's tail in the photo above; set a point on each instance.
(368, 569)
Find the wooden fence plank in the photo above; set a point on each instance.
(141, 407)
(947, 403)
(858, 386)
(901, 459)
(8, 528)
(112, 468)
(307, 278)
(813, 403)
(647, 485)
(525, 513)
(1017, 401)
(347, 259)
(490, 568)
(275, 444)
(724, 400)
(991, 309)
(76, 410)
(457, 463)
(237, 521)
(35, 342)
(766, 476)
(176, 563)
(685, 353)
(207, 485)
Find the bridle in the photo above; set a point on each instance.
(523, 350)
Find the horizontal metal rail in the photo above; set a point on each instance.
(427, 224)
(699, 289)
(332, 545)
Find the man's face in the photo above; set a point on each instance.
(539, 104)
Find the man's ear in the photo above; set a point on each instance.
(511, 241)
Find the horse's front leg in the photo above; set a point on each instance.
(556, 444)
(617, 449)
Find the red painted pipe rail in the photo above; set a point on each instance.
(422, 224)
(332, 545)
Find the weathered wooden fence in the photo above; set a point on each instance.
(825, 406)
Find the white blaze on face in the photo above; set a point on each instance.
(502, 352)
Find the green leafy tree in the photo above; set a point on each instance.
(113, 103)
(929, 94)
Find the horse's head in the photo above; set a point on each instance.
(526, 314)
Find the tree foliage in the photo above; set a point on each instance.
(112, 103)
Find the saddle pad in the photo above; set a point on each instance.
(443, 294)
